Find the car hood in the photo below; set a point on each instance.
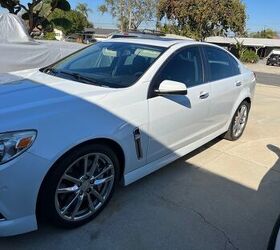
(33, 88)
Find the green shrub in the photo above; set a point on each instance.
(249, 56)
(49, 36)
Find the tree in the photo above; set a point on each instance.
(84, 9)
(265, 33)
(130, 13)
(69, 22)
(36, 12)
(203, 18)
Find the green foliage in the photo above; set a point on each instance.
(130, 13)
(84, 9)
(249, 56)
(266, 33)
(69, 22)
(240, 48)
(61, 4)
(36, 12)
(49, 36)
(203, 18)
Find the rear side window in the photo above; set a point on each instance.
(221, 64)
(185, 66)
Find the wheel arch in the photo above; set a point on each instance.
(242, 98)
(248, 100)
(105, 141)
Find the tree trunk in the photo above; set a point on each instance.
(31, 22)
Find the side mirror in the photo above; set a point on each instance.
(168, 87)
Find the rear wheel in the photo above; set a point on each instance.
(79, 187)
(239, 122)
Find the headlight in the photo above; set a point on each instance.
(12, 144)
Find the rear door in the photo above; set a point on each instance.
(225, 82)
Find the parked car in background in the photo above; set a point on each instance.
(111, 113)
(89, 40)
(273, 59)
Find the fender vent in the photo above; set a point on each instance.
(137, 140)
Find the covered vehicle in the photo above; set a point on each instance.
(19, 51)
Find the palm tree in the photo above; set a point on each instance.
(84, 9)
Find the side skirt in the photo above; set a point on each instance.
(155, 165)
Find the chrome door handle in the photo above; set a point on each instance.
(204, 95)
(238, 84)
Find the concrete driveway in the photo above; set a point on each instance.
(223, 196)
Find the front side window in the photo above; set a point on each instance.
(110, 64)
(185, 66)
(221, 64)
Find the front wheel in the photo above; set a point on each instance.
(239, 122)
(78, 188)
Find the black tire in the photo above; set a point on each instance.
(274, 235)
(230, 135)
(47, 208)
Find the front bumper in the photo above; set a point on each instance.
(20, 181)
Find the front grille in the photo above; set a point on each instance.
(2, 217)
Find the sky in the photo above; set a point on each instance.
(262, 14)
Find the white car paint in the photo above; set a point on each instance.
(66, 113)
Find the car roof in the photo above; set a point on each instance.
(157, 41)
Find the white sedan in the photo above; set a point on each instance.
(111, 113)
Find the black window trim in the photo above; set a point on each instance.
(152, 87)
(206, 64)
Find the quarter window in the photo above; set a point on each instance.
(221, 64)
(185, 66)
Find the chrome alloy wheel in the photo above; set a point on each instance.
(240, 120)
(84, 187)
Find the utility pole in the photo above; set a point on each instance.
(130, 16)
(122, 14)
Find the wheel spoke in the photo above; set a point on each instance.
(104, 180)
(97, 195)
(85, 164)
(85, 186)
(71, 179)
(90, 203)
(65, 209)
(93, 166)
(242, 111)
(103, 171)
(67, 190)
(78, 205)
(235, 127)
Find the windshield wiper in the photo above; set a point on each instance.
(80, 78)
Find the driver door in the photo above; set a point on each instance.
(179, 120)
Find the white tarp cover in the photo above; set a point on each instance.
(12, 29)
(18, 51)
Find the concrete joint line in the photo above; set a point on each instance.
(205, 221)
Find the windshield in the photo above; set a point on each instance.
(110, 64)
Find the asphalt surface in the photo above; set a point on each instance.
(224, 195)
(268, 79)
